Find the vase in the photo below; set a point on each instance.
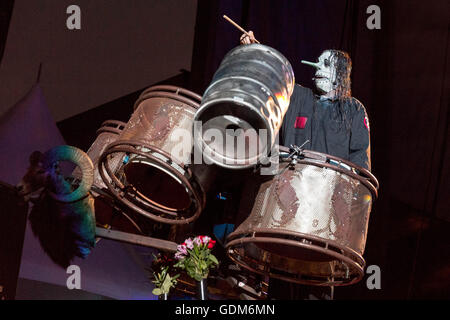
(202, 290)
(164, 296)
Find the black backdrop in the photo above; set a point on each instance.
(400, 73)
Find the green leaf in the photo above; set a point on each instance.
(157, 292)
(213, 259)
(198, 277)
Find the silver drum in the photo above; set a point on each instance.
(309, 223)
(243, 108)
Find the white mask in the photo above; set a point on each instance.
(325, 76)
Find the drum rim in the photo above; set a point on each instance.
(368, 179)
(188, 180)
(119, 126)
(273, 51)
(236, 239)
(172, 92)
(201, 145)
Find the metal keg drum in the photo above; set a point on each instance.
(243, 108)
(107, 134)
(155, 178)
(309, 222)
(106, 212)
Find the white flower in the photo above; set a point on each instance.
(189, 244)
(206, 239)
(182, 249)
(198, 241)
(179, 256)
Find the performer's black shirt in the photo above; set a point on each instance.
(342, 131)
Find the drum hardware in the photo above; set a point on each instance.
(265, 286)
(347, 271)
(163, 245)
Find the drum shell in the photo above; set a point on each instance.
(308, 223)
(158, 121)
(108, 133)
(157, 141)
(313, 200)
(253, 85)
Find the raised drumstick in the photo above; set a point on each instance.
(238, 26)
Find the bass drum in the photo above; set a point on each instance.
(308, 224)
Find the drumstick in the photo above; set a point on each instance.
(238, 26)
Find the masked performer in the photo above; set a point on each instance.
(332, 120)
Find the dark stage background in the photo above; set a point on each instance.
(401, 75)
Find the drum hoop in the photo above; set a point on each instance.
(111, 126)
(366, 173)
(368, 179)
(115, 145)
(328, 242)
(358, 263)
(187, 179)
(171, 93)
(262, 47)
(201, 145)
(175, 89)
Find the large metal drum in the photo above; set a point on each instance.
(107, 134)
(106, 211)
(309, 223)
(243, 108)
(155, 178)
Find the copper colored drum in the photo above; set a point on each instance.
(106, 212)
(309, 222)
(155, 178)
(107, 134)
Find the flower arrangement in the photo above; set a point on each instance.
(164, 282)
(194, 256)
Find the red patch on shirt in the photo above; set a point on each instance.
(300, 122)
(366, 123)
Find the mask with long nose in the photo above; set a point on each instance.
(325, 76)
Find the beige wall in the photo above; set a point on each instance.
(123, 46)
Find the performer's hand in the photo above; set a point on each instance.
(245, 39)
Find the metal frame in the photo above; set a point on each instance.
(144, 241)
